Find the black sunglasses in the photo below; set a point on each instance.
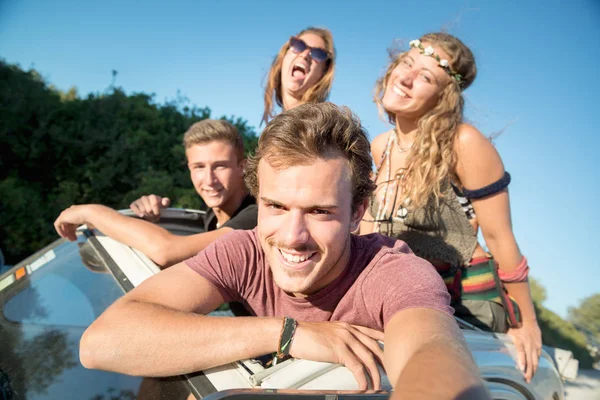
(316, 53)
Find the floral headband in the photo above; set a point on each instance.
(428, 51)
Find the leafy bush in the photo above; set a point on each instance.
(556, 332)
(57, 149)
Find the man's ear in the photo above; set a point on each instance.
(242, 164)
(357, 216)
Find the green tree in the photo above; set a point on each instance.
(587, 316)
(556, 332)
(538, 292)
(62, 148)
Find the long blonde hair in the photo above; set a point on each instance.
(432, 158)
(318, 93)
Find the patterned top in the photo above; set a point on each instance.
(438, 231)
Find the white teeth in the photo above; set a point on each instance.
(295, 258)
(301, 66)
(398, 91)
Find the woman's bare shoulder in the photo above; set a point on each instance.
(478, 160)
(471, 140)
(378, 145)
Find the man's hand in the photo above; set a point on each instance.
(67, 222)
(528, 343)
(148, 207)
(354, 346)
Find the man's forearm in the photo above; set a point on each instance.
(441, 370)
(426, 357)
(145, 339)
(150, 239)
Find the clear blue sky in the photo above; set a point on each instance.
(538, 76)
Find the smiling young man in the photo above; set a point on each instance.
(215, 155)
(317, 291)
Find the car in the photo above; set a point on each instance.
(50, 298)
(3, 267)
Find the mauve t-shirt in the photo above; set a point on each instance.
(383, 277)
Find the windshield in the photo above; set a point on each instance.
(46, 304)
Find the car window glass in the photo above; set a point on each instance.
(43, 315)
(63, 291)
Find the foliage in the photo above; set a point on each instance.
(538, 292)
(556, 332)
(587, 317)
(59, 149)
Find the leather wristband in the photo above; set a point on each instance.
(285, 339)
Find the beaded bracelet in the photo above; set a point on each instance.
(518, 275)
(285, 340)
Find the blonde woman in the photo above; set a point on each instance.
(439, 180)
(302, 71)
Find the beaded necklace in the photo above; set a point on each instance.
(389, 188)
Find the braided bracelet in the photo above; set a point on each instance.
(518, 275)
(285, 340)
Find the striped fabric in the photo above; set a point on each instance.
(479, 281)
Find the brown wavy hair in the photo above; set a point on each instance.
(309, 131)
(432, 158)
(317, 93)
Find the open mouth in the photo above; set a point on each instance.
(299, 70)
(296, 259)
(396, 89)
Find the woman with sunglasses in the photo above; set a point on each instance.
(439, 180)
(302, 71)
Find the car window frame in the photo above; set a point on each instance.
(197, 383)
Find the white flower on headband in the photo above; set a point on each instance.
(428, 51)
